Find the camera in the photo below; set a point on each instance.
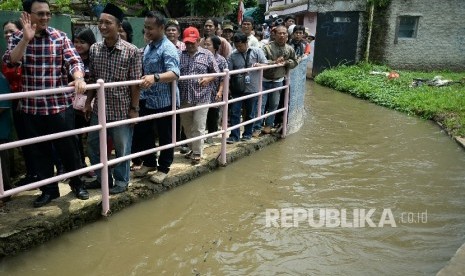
(278, 22)
(273, 16)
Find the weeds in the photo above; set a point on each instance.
(446, 104)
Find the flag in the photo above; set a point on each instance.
(240, 12)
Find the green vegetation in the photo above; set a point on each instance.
(445, 105)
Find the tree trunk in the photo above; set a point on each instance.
(370, 30)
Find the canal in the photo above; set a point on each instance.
(350, 156)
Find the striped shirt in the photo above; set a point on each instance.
(43, 67)
(202, 62)
(122, 62)
(160, 57)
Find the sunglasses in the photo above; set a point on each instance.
(43, 14)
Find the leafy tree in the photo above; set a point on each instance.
(11, 5)
(61, 6)
(372, 4)
(209, 7)
(150, 5)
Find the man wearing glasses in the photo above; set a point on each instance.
(42, 51)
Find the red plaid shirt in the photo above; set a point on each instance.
(44, 67)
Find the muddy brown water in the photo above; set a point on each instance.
(350, 155)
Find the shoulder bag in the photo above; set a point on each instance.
(237, 83)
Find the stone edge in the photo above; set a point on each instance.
(30, 233)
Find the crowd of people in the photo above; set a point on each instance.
(48, 58)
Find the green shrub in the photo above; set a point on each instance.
(445, 105)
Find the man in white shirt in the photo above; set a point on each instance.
(247, 29)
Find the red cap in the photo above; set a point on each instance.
(190, 34)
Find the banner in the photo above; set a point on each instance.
(240, 12)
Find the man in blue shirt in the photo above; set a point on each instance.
(161, 67)
(5, 131)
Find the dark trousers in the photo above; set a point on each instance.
(42, 153)
(80, 122)
(5, 160)
(213, 116)
(146, 139)
(180, 135)
(18, 121)
(278, 119)
(142, 129)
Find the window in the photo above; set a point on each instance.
(408, 26)
(341, 20)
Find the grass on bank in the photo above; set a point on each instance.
(445, 105)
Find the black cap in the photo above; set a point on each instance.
(114, 10)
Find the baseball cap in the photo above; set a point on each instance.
(191, 35)
(228, 27)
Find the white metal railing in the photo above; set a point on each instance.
(103, 125)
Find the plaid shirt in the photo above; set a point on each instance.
(44, 67)
(121, 63)
(222, 64)
(160, 57)
(203, 62)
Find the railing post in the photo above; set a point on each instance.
(224, 122)
(102, 120)
(174, 132)
(260, 97)
(2, 189)
(286, 106)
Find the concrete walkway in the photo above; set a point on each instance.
(23, 227)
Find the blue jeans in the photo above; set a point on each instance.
(122, 140)
(235, 117)
(273, 102)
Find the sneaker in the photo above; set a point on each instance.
(143, 171)
(246, 138)
(93, 185)
(231, 140)
(184, 149)
(89, 177)
(189, 155)
(158, 177)
(256, 133)
(196, 158)
(266, 130)
(118, 189)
